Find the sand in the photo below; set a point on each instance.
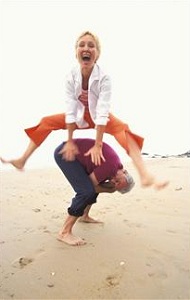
(141, 251)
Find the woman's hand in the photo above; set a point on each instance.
(69, 151)
(96, 154)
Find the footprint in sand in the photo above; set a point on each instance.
(156, 268)
(112, 280)
(133, 224)
(22, 262)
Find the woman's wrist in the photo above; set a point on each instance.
(98, 143)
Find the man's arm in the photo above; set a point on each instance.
(105, 187)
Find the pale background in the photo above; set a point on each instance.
(145, 49)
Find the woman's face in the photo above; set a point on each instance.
(86, 51)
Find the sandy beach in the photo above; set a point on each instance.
(141, 251)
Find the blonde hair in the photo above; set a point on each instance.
(95, 38)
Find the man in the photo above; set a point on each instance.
(88, 180)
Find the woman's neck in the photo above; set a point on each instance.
(85, 83)
(86, 72)
(85, 79)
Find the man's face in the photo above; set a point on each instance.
(119, 180)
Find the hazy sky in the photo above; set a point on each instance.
(145, 49)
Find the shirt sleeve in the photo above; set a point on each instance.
(70, 100)
(104, 101)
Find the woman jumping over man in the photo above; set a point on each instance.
(88, 100)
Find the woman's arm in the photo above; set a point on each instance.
(70, 149)
(100, 129)
(96, 151)
(101, 116)
(70, 128)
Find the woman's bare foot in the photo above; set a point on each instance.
(161, 185)
(17, 163)
(149, 180)
(87, 219)
(70, 239)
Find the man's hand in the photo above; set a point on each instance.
(96, 155)
(69, 151)
(105, 187)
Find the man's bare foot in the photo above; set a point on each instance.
(87, 219)
(17, 163)
(70, 239)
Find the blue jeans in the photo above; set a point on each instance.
(80, 182)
